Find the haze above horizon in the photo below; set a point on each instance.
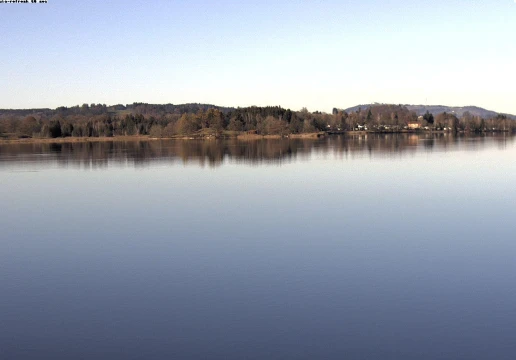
(317, 55)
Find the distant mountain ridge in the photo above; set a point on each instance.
(145, 108)
(438, 109)
(97, 109)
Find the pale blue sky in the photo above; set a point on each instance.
(318, 54)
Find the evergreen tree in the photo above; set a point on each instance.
(428, 117)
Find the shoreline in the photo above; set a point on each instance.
(241, 136)
(72, 139)
(315, 135)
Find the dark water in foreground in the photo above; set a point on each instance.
(388, 247)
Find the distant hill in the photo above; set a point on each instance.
(457, 110)
(438, 109)
(98, 109)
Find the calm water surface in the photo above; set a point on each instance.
(377, 247)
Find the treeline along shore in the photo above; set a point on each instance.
(210, 121)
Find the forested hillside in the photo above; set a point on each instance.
(458, 111)
(168, 120)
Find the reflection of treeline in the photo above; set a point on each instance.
(214, 152)
(207, 120)
(140, 152)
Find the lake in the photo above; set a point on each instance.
(346, 247)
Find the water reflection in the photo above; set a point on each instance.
(351, 254)
(101, 154)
